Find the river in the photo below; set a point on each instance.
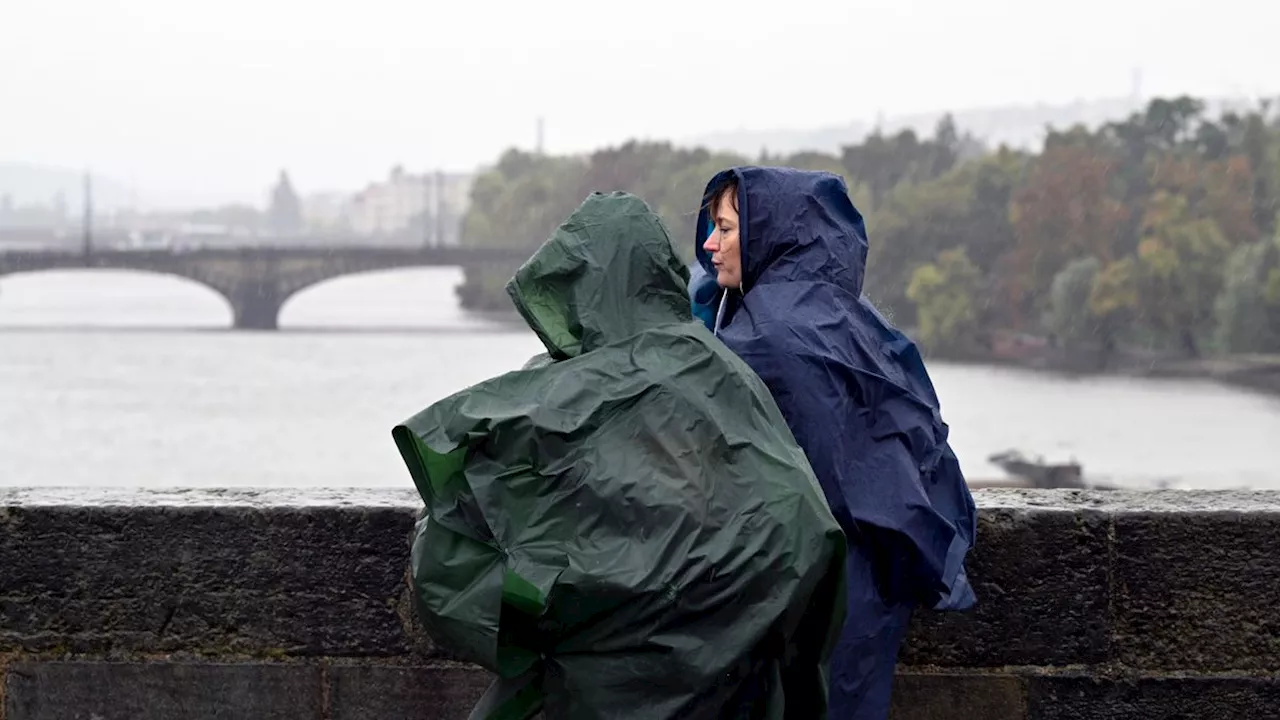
(121, 379)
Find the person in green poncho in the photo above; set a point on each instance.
(625, 527)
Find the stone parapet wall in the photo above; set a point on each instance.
(278, 604)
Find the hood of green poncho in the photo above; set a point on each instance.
(608, 272)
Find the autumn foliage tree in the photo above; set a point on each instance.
(1065, 209)
(1152, 232)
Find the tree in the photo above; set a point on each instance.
(880, 163)
(1111, 235)
(883, 163)
(945, 293)
(671, 180)
(967, 207)
(910, 228)
(1256, 137)
(1168, 123)
(680, 198)
(1066, 208)
(941, 154)
(1069, 313)
(1229, 186)
(1248, 309)
(1180, 261)
(285, 213)
(1219, 190)
(517, 203)
(1113, 301)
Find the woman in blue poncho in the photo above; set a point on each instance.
(784, 252)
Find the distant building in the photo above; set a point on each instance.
(427, 208)
(324, 213)
(51, 217)
(284, 215)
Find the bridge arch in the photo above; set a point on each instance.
(94, 296)
(384, 298)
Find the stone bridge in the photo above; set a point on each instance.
(278, 604)
(256, 281)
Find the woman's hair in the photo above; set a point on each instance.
(730, 188)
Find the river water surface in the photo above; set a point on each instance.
(123, 379)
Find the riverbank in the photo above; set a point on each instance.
(1254, 372)
(1259, 373)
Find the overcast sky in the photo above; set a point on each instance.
(199, 102)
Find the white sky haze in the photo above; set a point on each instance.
(203, 102)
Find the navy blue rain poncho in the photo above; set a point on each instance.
(858, 399)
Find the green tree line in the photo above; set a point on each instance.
(1155, 232)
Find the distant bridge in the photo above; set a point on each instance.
(256, 281)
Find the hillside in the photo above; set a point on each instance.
(1020, 126)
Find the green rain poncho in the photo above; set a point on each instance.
(626, 528)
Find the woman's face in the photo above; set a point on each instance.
(723, 243)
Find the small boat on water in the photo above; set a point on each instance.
(1038, 473)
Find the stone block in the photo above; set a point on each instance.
(1167, 698)
(301, 581)
(1041, 577)
(440, 692)
(1198, 590)
(161, 691)
(955, 696)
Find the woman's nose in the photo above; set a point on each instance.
(712, 243)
